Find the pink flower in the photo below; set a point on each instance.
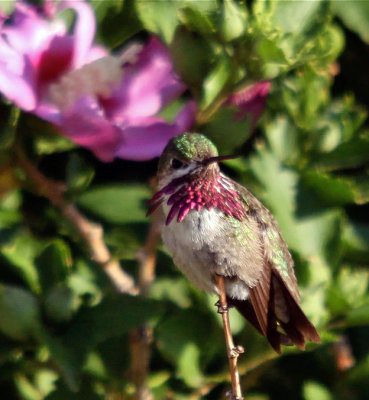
(103, 102)
(250, 100)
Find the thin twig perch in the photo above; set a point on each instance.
(233, 351)
(91, 233)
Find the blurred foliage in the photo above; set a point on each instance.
(64, 332)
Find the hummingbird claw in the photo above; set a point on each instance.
(222, 309)
(230, 396)
(236, 351)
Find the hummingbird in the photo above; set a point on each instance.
(215, 227)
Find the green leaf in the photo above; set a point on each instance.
(296, 16)
(353, 284)
(293, 41)
(282, 137)
(65, 358)
(160, 17)
(349, 290)
(114, 316)
(79, 173)
(26, 389)
(234, 20)
(158, 379)
(175, 290)
(95, 365)
(117, 21)
(358, 316)
(310, 233)
(290, 16)
(85, 391)
(188, 365)
(21, 252)
(7, 135)
(102, 7)
(47, 139)
(178, 330)
(215, 81)
(280, 185)
(355, 15)
(340, 123)
(316, 391)
(360, 183)
(85, 283)
(41, 385)
(351, 154)
(355, 238)
(227, 131)
(304, 95)
(19, 313)
(54, 263)
(196, 19)
(332, 41)
(192, 57)
(45, 380)
(313, 297)
(11, 201)
(61, 303)
(331, 190)
(273, 58)
(116, 204)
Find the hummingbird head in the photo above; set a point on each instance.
(189, 179)
(189, 153)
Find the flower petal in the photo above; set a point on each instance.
(28, 33)
(186, 117)
(250, 100)
(95, 53)
(48, 112)
(54, 60)
(86, 125)
(16, 89)
(147, 85)
(147, 140)
(84, 30)
(11, 59)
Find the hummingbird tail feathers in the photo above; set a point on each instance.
(273, 311)
(298, 328)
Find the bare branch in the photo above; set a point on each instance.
(91, 233)
(141, 339)
(233, 351)
(147, 257)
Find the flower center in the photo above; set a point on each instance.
(96, 79)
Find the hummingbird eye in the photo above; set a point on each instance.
(176, 164)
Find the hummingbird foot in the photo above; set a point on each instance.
(231, 396)
(222, 308)
(236, 351)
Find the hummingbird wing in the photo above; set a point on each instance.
(273, 306)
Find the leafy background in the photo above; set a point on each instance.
(66, 333)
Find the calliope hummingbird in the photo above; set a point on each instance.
(213, 226)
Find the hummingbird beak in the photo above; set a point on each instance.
(217, 159)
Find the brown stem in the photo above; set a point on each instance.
(233, 352)
(141, 339)
(91, 233)
(203, 116)
(147, 257)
